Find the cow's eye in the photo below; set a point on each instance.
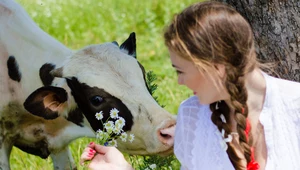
(96, 100)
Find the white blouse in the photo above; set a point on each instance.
(198, 142)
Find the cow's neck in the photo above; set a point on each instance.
(31, 47)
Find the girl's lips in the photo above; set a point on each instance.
(195, 93)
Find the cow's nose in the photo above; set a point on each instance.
(166, 135)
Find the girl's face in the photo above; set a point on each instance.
(207, 85)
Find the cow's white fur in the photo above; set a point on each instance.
(32, 47)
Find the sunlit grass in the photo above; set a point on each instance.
(77, 23)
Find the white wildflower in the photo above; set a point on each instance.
(109, 125)
(123, 136)
(109, 130)
(118, 126)
(131, 138)
(120, 122)
(99, 115)
(99, 134)
(147, 169)
(117, 130)
(113, 143)
(153, 166)
(105, 135)
(114, 113)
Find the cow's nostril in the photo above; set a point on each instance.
(166, 136)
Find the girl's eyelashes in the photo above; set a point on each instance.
(179, 72)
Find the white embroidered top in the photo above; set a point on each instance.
(198, 142)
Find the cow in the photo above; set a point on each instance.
(50, 93)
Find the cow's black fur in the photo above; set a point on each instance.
(13, 69)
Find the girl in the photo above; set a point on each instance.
(240, 117)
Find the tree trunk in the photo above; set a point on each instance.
(276, 28)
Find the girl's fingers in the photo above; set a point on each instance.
(87, 155)
(91, 145)
(102, 149)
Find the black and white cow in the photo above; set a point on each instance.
(50, 94)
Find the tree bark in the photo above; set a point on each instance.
(276, 28)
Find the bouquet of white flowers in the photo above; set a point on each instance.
(112, 129)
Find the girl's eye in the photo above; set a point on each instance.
(178, 72)
(96, 100)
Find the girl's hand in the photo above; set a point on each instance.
(103, 158)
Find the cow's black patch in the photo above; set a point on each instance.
(91, 100)
(40, 149)
(13, 69)
(76, 117)
(45, 75)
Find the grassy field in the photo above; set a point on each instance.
(78, 23)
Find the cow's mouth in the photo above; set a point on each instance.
(144, 152)
(166, 152)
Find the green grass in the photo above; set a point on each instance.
(77, 23)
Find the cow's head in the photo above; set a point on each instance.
(103, 77)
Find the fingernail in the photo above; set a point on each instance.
(91, 143)
(92, 151)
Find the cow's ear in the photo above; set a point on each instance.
(129, 45)
(116, 43)
(46, 102)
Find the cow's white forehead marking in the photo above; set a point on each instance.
(107, 67)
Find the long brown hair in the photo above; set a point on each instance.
(210, 33)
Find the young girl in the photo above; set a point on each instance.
(240, 117)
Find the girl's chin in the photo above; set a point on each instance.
(203, 101)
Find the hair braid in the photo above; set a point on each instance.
(236, 88)
(215, 117)
(238, 97)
